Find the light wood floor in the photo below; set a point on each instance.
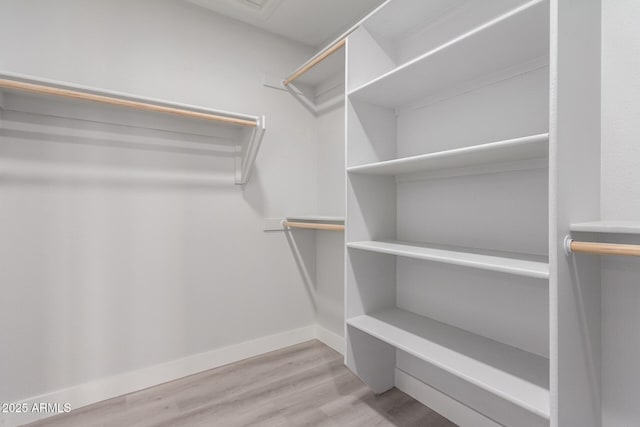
(303, 385)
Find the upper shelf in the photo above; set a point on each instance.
(246, 131)
(525, 148)
(502, 262)
(514, 38)
(614, 227)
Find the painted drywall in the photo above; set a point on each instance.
(330, 244)
(330, 136)
(98, 279)
(620, 201)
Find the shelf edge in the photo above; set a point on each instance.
(611, 227)
(487, 147)
(537, 273)
(353, 322)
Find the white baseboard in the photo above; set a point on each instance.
(331, 339)
(117, 385)
(109, 387)
(443, 404)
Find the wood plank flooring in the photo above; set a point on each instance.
(302, 385)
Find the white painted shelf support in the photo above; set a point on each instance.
(316, 109)
(250, 152)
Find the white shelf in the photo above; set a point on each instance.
(69, 172)
(201, 129)
(517, 376)
(316, 218)
(525, 148)
(517, 37)
(503, 262)
(615, 227)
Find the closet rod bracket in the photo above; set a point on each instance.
(567, 245)
(572, 246)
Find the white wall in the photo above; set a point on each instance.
(98, 280)
(330, 244)
(621, 201)
(331, 162)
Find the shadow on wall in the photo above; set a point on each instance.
(582, 270)
(253, 193)
(304, 257)
(73, 161)
(120, 178)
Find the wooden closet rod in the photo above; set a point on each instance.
(571, 246)
(313, 226)
(68, 93)
(315, 61)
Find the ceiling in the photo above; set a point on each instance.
(312, 22)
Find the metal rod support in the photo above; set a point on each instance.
(571, 246)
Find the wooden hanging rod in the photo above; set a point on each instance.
(597, 248)
(313, 226)
(315, 61)
(85, 96)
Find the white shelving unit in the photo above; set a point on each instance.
(462, 181)
(60, 111)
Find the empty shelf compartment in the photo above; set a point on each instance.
(515, 375)
(515, 38)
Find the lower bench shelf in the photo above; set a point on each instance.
(517, 376)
